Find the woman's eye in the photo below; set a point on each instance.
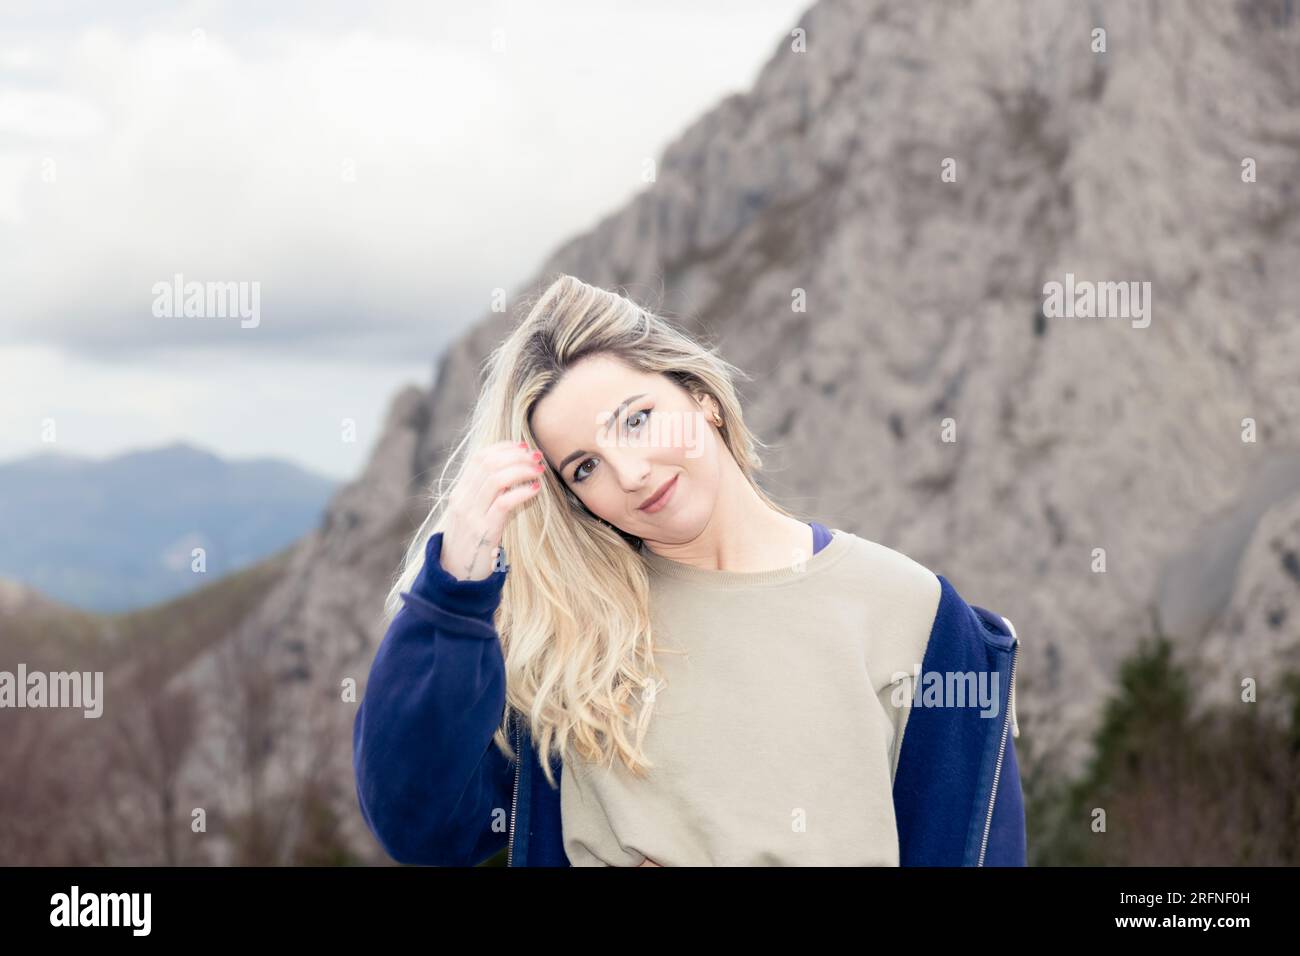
(580, 475)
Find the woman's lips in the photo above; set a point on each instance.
(659, 503)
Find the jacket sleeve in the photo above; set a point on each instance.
(432, 785)
(954, 752)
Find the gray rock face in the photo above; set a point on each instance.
(925, 304)
(1258, 637)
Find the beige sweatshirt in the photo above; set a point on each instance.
(775, 736)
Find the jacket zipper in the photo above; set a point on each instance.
(1002, 750)
(1015, 727)
(514, 802)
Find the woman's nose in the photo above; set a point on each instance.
(631, 466)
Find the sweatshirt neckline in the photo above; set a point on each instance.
(829, 555)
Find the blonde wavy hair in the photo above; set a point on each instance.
(574, 620)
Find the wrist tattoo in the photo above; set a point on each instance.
(482, 542)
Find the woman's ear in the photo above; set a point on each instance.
(708, 405)
(713, 411)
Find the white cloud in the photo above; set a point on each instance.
(41, 115)
(379, 169)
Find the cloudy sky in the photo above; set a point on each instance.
(376, 169)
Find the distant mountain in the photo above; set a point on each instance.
(18, 600)
(120, 533)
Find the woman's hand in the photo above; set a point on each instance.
(497, 478)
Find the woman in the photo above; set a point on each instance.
(713, 681)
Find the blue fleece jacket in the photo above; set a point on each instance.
(435, 789)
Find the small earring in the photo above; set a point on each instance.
(717, 419)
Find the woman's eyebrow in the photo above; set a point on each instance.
(618, 411)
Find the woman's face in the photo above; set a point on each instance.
(617, 436)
